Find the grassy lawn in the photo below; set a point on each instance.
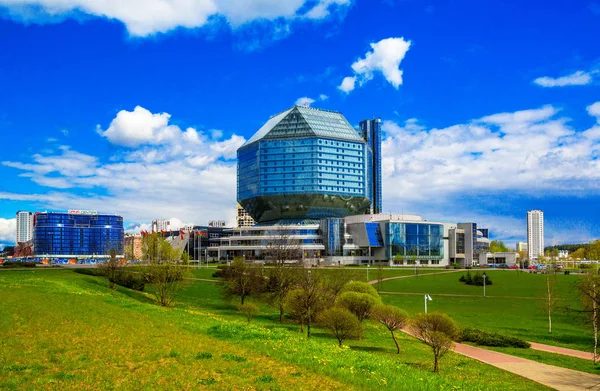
(515, 307)
(62, 330)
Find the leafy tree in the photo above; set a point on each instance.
(310, 298)
(579, 253)
(167, 278)
(360, 287)
(391, 317)
(335, 280)
(284, 255)
(243, 280)
(360, 304)
(588, 288)
(250, 310)
(111, 268)
(341, 323)
(185, 258)
(498, 246)
(437, 331)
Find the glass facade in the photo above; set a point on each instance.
(332, 232)
(415, 240)
(371, 133)
(63, 234)
(305, 163)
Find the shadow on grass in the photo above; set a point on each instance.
(369, 348)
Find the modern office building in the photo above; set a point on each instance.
(371, 133)
(303, 163)
(535, 234)
(24, 226)
(243, 219)
(77, 234)
(468, 243)
(161, 225)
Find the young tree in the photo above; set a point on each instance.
(284, 256)
(341, 323)
(336, 279)
(185, 258)
(357, 303)
(243, 280)
(111, 268)
(391, 317)
(379, 277)
(437, 331)
(589, 292)
(311, 297)
(293, 304)
(250, 310)
(550, 298)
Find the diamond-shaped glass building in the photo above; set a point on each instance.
(302, 164)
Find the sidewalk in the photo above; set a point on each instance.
(373, 282)
(563, 351)
(562, 379)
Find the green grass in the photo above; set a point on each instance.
(69, 331)
(514, 308)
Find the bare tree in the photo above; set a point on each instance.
(391, 317)
(341, 323)
(550, 297)
(311, 297)
(284, 255)
(437, 331)
(243, 280)
(589, 291)
(111, 268)
(335, 279)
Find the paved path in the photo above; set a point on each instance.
(373, 282)
(563, 351)
(562, 379)
(461, 295)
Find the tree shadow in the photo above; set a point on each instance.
(369, 348)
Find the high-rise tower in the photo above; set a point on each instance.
(371, 133)
(24, 226)
(535, 233)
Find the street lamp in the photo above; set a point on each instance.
(427, 298)
(484, 277)
(368, 266)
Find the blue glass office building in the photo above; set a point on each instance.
(304, 163)
(371, 133)
(77, 234)
(415, 240)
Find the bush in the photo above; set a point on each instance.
(486, 338)
(359, 304)
(90, 272)
(131, 280)
(250, 310)
(11, 264)
(360, 287)
(437, 331)
(476, 280)
(341, 323)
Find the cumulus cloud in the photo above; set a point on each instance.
(147, 17)
(8, 231)
(305, 101)
(160, 170)
(594, 110)
(323, 97)
(385, 58)
(579, 78)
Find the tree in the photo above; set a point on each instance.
(379, 277)
(111, 268)
(550, 299)
(498, 246)
(391, 317)
(359, 304)
(185, 258)
(284, 255)
(310, 298)
(579, 253)
(250, 310)
(294, 305)
(437, 331)
(341, 323)
(336, 279)
(588, 288)
(243, 280)
(360, 287)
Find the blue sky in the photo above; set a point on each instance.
(137, 107)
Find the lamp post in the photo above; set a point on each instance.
(368, 267)
(427, 298)
(484, 277)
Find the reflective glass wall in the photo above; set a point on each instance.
(85, 235)
(332, 232)
(416, 240)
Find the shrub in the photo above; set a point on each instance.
(486, 338)
(341, 323)
(476, 280)
(90, 272)
(360, 287)
(11, 264)
(250, 310)
(359, 304)
(437, 331)
(130, 280)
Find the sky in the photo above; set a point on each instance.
(137, 107)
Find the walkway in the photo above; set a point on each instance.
(561, 379)
(373, 282)
(564, 351)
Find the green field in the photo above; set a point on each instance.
(63, 330)
(513, 306)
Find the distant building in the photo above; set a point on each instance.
(217, 224)
(508, 258)
(535, 233)
(24, 226)
(161, 225)
(132, 246)
(77, 234)
(521, 246)
(468, 243)
(563, 254)
(243, 219)
(371, 133)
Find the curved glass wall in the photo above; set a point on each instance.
(63, 234)
(416, 240)
(332, 232)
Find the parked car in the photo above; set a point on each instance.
(513, 267)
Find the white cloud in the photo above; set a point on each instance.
(8, 231)
(147, 17)
(304, 101)
(348, 84)
(594, 110)
(323, 97)
(188, 175)
(578, 78)
(385, 58)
